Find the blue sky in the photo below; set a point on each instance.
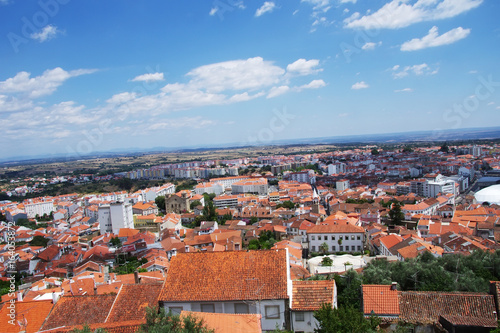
(84, 76)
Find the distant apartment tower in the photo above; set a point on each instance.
(306, 176)
(336, 168)
(477, 151)
(342, 185)
(115, 216)
(277, 169)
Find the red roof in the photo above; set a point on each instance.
(380, 299)
(228, 322)
(204, 276)
(310, 295)
(132, 301)
(31, 312)
(79, 310)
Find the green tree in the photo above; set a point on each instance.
(87, 329)
(344, 319)
(375, 151)
(444, 148)
(116, 242)
(326, 261)
(254, 219)
(396, 215)
(194, 204)
(161, 322)
(323, 248)
(39, 241)
(160, 202)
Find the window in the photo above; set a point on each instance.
(333, 237)
(359, 248)
(359, 237)
(312, 238)
(313, 248)
(341, 248)
(240, 308)
(175, 309)
(340, 237)
(272, 311)
(352, 237)
(333, 248)
(208, 307)
(299, 316)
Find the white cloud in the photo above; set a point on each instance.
(42, 85)
(304, 67)
(252, 73)
(213, 11)
(149, 77)
(319, 5)
(13, 104)
(244, 97)
(421, 69)
(276, 91)
(314, 84)
(184, 122)
(360, 85)
(404, 90)
(122, 98)
(433, 39)
(401, 13)
(370, 45)
(47, 33)
(267, 7)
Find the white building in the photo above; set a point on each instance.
(115, 216)
(40, 207)
(342, 185)
(340, 237)
(211, 187)
(253, 185)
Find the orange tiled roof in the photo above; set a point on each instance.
(228, 322)
(203, 276)
(380, 299)
(310, 295)
(79, 310)
(33, 312)
(427, 306)
(132, 301)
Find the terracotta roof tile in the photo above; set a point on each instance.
(31, 312)
(228, 322)
(380, 299)
(132, 301)
(90, 310)
(310, 295)
(204, 276)
(426, 306)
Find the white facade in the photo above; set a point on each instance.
(350, 242)
(342, 185)
(115, 216)
(39, 208)
(273, 311)
(257, 186)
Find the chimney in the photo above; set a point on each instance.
(394, 286)
(136, 277)
(95, 291)
(19, 296)
(54, 298)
